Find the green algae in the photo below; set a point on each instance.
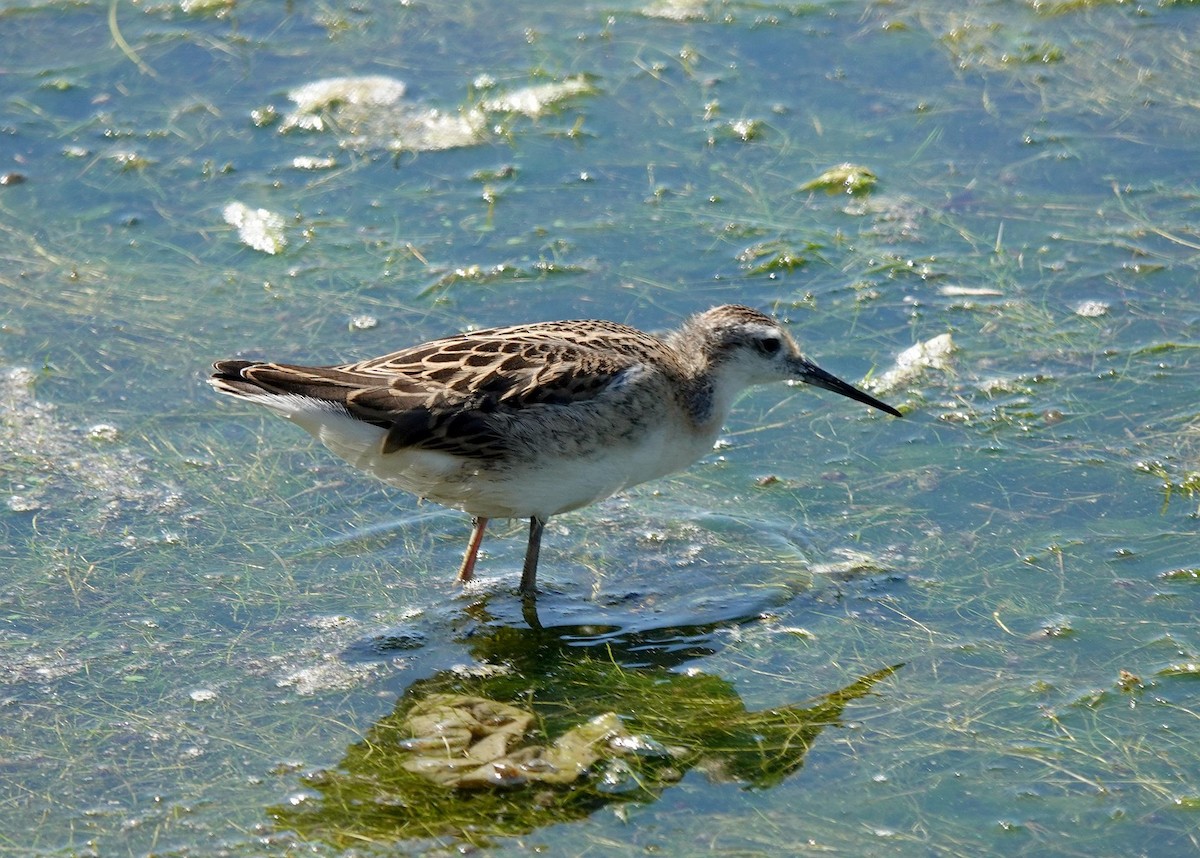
(661, 725)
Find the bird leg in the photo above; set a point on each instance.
(467, 570)
(529, 611)
(529, 571)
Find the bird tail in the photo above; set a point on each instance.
(264, 382)
(230, 377)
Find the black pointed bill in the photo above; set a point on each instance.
(812, 374)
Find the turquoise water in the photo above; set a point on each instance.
(207, 621)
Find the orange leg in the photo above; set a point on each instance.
(467, 570)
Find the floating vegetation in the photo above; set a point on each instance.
(1026, 53)
(992, 45)
(680, 10)
(894, 219)
(130, 161)
(496, 174)
(310, 162)
(926, 268)
(771, 256)
(1091, 309)
(1062, 7)
(206, 7)
(969, 292)
(501, 272)
(103, 433)
(44, 464)
(264, 117)
(1143, 267)
(852, 179)
(1186, 483)
(856, 565)
(913, 362)
(26, 665)
(1129, 682)
(741, 130)
(341, 97)
(260, 229)
(1187, 669)
(371, 112)
(1057, 627)
(1020, 385)
(329, 674)
(1191, 574)
(537, 99)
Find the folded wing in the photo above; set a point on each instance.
(458, 395)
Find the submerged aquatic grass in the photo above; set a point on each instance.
(212, 632)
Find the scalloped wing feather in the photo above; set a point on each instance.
(459, 394)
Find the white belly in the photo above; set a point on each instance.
(554, 485)
(541, 487)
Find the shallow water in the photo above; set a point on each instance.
(207, 620)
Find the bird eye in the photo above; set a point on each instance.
(769, 345)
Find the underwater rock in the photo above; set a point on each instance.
(471, 742)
